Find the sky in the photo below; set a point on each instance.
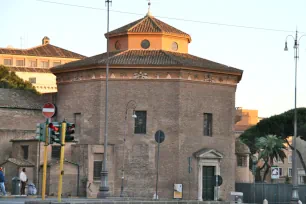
(268, 79)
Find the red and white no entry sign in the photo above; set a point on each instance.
(48, 110)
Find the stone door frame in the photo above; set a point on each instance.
(207, 157)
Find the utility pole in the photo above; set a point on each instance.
(104, 189)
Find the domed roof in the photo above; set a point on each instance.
(148, 24)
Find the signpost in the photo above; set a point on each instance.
(159, 138)
(48, 111)
(218, 182)
(274, 172)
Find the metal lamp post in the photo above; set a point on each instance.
(104, 189)
(295, 193)
(130, 105)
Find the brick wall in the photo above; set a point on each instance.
(176, 108)
(19, 113)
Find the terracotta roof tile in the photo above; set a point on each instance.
(148, 24)
(241, 148)
(29, 69)
(147, 58)
(20, 162)
(47, 50)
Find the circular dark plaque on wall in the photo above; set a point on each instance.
(145, 44)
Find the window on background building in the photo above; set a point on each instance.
(141, 122)
(97, 166)
(8, 62)
(20, 63)
(289, 159)
(44, 64)
(33, 63)
(56, 152)
(241, 161)
(56, 63)
(207, 124)
(25, 150)
(32, 80)
(289, 172)
(280, 170)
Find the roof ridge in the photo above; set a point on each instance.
(136, 24)
(110, 57)
(35, 47)
(152, 19)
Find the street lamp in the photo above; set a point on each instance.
(130, 105)
(295, 193)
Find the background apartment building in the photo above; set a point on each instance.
(33, 64)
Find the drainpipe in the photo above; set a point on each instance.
(78, 184)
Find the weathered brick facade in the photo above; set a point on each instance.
(175, 89)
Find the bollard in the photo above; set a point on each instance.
(265, 201)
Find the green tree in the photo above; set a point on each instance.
(9, 79)
(270, 148)
(280, 125)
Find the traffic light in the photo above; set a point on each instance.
(41, 132)
(69, 131)
(55, 132)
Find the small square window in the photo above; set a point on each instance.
(8, 62)
(25, 149)
(241, 161)
(20, 63)
(289, 172)
(289, 159)
(207, 124)
(44, 64)
(140, 122)
(97, 170)
(280, 170)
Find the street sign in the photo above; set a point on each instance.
(48, 110)
(159, 136)
(274, 172)
(218, 180)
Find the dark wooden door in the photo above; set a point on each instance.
(208, 184)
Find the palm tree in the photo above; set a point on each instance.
(270, 147)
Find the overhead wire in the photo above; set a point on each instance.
(170, 18)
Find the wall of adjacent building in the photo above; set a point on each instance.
(19, 113)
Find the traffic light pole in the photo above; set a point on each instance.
(43, 191)
(63, 135)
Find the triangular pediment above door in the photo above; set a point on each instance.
(207, 153)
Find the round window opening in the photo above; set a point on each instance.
(117, 45)
(174, 46)
(145, 44)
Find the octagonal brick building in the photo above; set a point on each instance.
(190, 98)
